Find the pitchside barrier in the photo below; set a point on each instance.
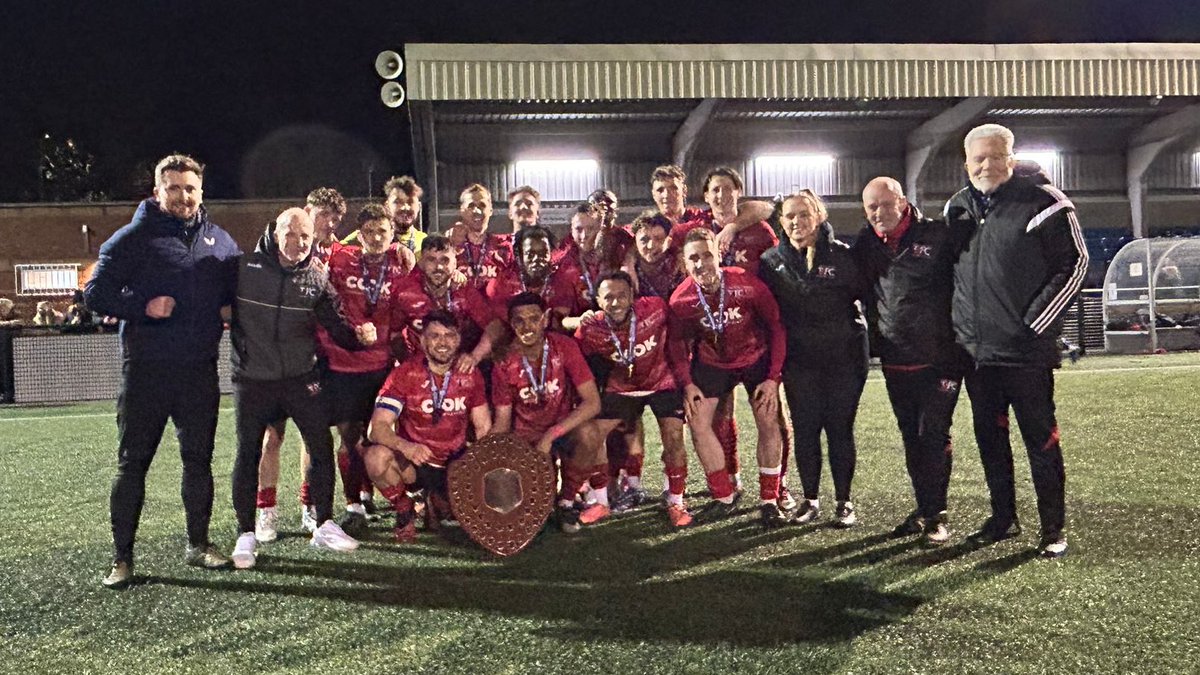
(58, 368)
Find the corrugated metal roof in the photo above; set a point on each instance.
(612, 72)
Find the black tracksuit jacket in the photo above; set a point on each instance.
(908, 311)
(275, 315)
(817, 306)
(1023, 260)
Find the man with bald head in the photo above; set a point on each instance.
(281, 297)
(909, 261)
(166, 275)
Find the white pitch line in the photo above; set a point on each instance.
(1139, 369)
(45, 418)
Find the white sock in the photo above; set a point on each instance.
(365, 496)
(357, 508)
(600, 495)
(816, 503)
(675, 499)
(726, 500)
(633, 482)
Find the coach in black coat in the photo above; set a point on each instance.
(909, 262)
(1022, 263)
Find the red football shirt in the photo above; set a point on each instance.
(467, 304)
(347, 276)
(558, 290)
(589, 267)
(748, 245)
(651, 371)
(752, 327)
(482, 263)
(534, 413)
(408, 392)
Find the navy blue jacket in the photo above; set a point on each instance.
(157, 254)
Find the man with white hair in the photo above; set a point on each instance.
(1022, 262)
(909, 261)
(281, 296)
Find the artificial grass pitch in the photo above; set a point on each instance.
(629, 595)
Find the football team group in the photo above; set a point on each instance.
(414, 345)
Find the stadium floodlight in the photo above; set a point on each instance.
(570, 166)
(559, 179)
(777, 162)
(1044, 158)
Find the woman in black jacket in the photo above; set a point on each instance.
(817, 285)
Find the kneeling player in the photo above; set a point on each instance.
(420, 421)
(735, 321)
(625, 343)
(544, 393)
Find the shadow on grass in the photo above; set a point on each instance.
(613, 583)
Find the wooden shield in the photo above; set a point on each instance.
(501, 491)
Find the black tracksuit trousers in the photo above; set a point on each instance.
(923, 399)
(1029, 391)
(151, 392)
(258, 404)
(824, 397)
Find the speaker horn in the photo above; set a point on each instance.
(389, 65)
(392, 94)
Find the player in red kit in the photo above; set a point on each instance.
(420, 422)
(366, 280)
(626, 345)
(613, 237)
(592, 254)
(533, 272)
(544, 393)
(326, 207)
(480, 254)
(731, 322)
(668, 185)
(429, 288)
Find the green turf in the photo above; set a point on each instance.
(629, 596)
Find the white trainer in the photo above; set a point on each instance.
(266, 528)
(329, 535)
(308, 518)
(243, 552)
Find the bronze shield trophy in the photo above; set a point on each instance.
(501, 491)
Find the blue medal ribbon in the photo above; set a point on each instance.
(373, 287)
(439, 395)
(538, 385)
(717, 323)
(623, 357)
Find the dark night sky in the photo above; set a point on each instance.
(198, 77)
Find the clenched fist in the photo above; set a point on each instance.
(366, 333)
(160, 307)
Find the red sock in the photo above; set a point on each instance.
(599, 478)
(353, 473)
(633, 465)
(726, 430)
(266, 498)
(397, 495)
(573, 478)
(719, 484)
(768, 484)
(677, 479)
(305, 497)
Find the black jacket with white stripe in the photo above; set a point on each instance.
(276, 314)
(1023, 261)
